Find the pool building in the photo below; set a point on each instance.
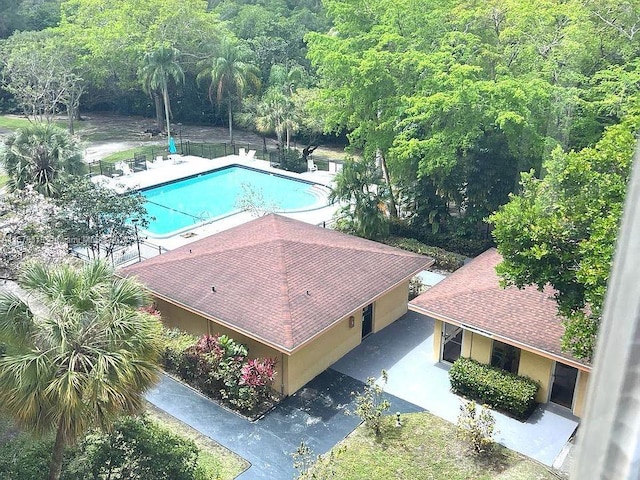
(302, 294)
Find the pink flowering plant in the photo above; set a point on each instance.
(218, 366)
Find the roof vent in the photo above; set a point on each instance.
(213, 289)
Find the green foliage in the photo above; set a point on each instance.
(445, 260)
(303, 459)
(159, 68)
(371, 404)
(362, 193)
(561, 230)
(218, 367)
(98, 218)
(41, 155)
(79, 359)
(27, 231)
(476, 427)
(25, 458)
(503, 390)
(136, 449)
(230, 74)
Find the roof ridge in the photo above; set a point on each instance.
(285, 295)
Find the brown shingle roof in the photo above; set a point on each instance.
(472, 296)
(279, 280)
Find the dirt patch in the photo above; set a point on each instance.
(104, 134)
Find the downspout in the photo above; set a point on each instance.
(282, 374)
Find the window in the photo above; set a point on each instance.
(506, 357)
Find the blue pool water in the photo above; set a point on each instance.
(183, 204)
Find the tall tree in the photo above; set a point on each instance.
(82, 353)
(40, 155)
(275, 113)
(159, 68)
(561, 230)
(229, 74)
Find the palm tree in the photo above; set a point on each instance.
(229, 75)
(273, 114)
(39, 155)
(159, 68)
(362, 191)
(82, 353)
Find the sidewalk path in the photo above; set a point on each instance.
(405, 350)
(315, 415)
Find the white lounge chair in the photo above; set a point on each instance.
(251, 154)
(242, 152)
(332, 167)
(311, 166)
(338, 167)
(124, 168)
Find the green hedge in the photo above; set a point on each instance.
(445, 260)
(502, 390)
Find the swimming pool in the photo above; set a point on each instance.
(183, 204)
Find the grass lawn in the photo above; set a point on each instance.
(14, 122)
(151, 151)
(220, 463)
(425, 447)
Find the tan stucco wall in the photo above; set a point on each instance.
(538, 368)
(388, 308)
(296, 370)
(176, 317)
(437, 339)
(580, 394)
(320, 354)
(476, 346)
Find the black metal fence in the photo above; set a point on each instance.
(290, 160)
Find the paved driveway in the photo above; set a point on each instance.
(315, 415)
(405, 350)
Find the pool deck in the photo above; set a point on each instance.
(185, 166)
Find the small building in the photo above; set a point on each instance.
(303, 294)
(515, 329)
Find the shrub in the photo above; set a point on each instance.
(136, 449)
(25, 458)
(370, 404)
(217, 366)
(502, 390)
(445, 260)
(176, 343)
(476, 427)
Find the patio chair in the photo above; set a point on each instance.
(332, 167)
(311, 166)
(251, 154)
(242, 152)
(124, 168)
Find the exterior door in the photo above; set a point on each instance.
(367, 320)
(564, 385)
(451, 342)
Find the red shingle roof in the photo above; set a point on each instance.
(278, 280)
(473, 297)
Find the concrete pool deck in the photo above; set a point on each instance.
(185, 166)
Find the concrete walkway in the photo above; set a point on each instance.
(315, 415)
(405, 350)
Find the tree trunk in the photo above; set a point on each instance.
(55, 468)
(230, 120)
(70, 117)
(393, 209)
(165, 96)
(159, 114)
(288, 138)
